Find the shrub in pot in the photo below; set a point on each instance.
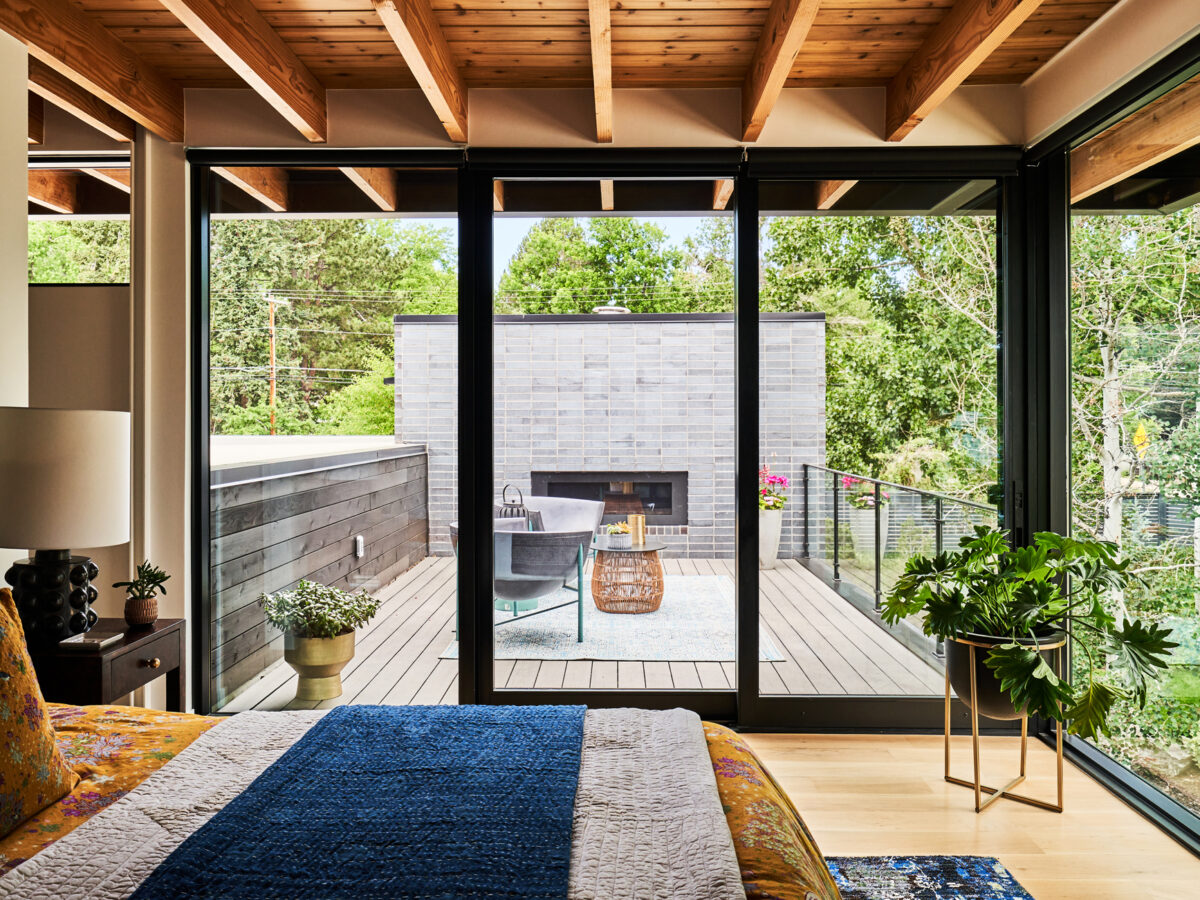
(318, 624)
(1014, 605)
(141, 595)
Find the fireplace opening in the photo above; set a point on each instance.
(660, 496)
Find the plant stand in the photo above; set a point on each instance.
(1007, 790)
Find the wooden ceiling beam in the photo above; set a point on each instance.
(419, 38)
(830, 192)
(377, 183)
(118, 178)
(1149, 136)
(79, 102)
(37, 119)
(269, 186)
(600, 34)
(787, 26)
(54, 189)
(606, 195)
(722, 191)
(497, 196)
(69, 41)
(968, 34)
(236, 32)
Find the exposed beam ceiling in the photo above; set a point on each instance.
(787, 26)
(722, 191)
(54, 189)
(955, 48)
(1151, 135)
(416, 33)
(269, 186)
(37, 119)
(118, 178)
(68, 40)
(236, 32)
(64, 93)
(830, 192)
(606, 195)
(377, 183)
(497, 196)
(600, 32)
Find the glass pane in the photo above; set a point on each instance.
(879, 433)
(326, 466)
(614, 415)
(79, 224)
(1135, 324)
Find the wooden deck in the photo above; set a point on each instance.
(829, 648)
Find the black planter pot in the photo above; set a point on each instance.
(991, 701)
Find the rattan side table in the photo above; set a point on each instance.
(628, 581)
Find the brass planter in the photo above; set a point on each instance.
(319, 663)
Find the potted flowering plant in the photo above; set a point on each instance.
(771, 500)
(318, 624)
(620, 536)
(861, 498)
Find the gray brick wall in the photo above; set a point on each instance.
(638, 393)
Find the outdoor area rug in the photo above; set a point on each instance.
(694, 623)
(924, 878)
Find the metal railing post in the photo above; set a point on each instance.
(878, 551)
(804, 476)
(837, 572)
(939, 539)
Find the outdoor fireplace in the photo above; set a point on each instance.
(660, 496)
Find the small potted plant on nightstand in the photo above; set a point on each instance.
(141, 595)
(318, 624)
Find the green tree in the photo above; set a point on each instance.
(366, 406)
(79, 251)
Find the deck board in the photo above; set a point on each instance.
(829, 648)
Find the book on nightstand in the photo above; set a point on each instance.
(91, 640)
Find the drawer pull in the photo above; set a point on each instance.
(153, 662)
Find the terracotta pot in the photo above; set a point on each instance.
(992, 702)
(141, 613)
(319, 663)
(770, 526)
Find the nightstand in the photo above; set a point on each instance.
(98, 677)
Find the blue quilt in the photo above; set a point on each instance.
(397, 802)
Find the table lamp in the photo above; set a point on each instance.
(64, 482)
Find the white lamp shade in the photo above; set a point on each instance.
(64, 478)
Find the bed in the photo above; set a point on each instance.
(190, 773)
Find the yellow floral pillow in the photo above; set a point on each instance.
(33, 772)
(776, 852)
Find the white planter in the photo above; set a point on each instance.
(620, 541)
(770, 523)
(862, 532)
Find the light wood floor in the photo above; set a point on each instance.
(828, 645)
(876, 795)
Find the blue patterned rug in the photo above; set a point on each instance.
(924, 878)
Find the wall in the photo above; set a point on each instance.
(274, 523)
(79, 358)
(650, 393)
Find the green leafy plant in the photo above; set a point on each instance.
(318, 611)
(147, 582)
(619, 528)
(1026, 597)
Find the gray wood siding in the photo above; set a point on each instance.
(272, 529)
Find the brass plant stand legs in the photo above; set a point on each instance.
(1007, 790)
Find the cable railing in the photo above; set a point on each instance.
(864, 529)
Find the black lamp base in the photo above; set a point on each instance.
(54, 595)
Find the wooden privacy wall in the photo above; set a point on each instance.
(276, 523)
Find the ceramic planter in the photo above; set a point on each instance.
(319, 663)
(990, 700)
(862, 531)
(620, 541)
(141, 613)
(770, 524)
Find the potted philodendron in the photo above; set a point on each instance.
(861, 498)
(1015, 606)
(318, 624)
(771, 500)
(141, 595)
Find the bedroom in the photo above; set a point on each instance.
(653, 340)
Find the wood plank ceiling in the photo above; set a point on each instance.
(758, 45)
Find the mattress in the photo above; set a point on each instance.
(116, 749)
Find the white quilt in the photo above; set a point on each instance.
(648, 821)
